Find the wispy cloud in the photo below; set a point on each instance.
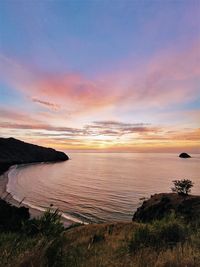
(117, 128)
(117, 124)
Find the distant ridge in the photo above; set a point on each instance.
(14, 151)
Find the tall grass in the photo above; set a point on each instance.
(159, 234)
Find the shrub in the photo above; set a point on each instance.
(182, 187)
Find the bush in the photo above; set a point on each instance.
(182, 187)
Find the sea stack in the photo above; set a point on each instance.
(184, 155)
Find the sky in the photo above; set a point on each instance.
(101, 75)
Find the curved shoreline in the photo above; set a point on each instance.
(34, 211)
(6, 195)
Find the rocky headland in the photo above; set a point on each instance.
(13, 151)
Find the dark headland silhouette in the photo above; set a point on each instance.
(13, 151)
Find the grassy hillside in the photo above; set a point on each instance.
(44, 242)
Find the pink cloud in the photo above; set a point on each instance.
(167, 79)
(72, 89)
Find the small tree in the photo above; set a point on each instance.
(182, 187)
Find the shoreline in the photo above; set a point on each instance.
(9, 198)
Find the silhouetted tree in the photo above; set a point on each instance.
(182, 187)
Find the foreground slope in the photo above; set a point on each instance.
(106, 245)
(172, 241)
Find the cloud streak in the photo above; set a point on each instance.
(46, 103)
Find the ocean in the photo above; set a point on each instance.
(100, 187)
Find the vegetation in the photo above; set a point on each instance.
(44, 242)
(182, 187)
(31, 241)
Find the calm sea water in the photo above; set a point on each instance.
(99, 187)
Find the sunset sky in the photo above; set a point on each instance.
(114, 75)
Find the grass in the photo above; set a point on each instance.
(159, 234)
(154, 245)
(15, 247)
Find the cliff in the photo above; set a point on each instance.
(161, 205)
(13, 151)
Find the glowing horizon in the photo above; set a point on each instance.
(101, 76)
